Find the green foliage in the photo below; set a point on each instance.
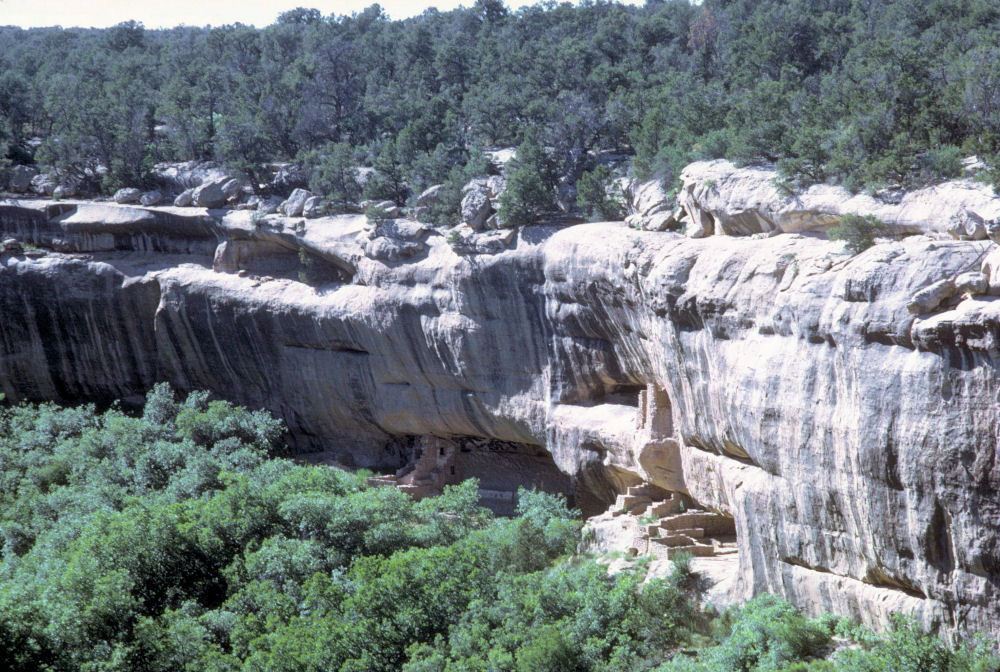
(333, 171)
(766, 635)
(175, 540)
(858, 232)
(376, 215)
(388, 182)
(447, 210)
(596, 195)
(906, 648)
(307, 267)
(876, 96)
(530, 190)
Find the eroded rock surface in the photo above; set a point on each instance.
(720, 198)
(847, 426)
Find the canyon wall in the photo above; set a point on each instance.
(841, 409)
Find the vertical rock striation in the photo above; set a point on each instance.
(849, 430)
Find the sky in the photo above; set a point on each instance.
(168, 13)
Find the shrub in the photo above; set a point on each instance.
(597, 196)
(942, 162)
(530, 185)
(906, 648)
(447, 210)
(766, 635)
(334, 173)
(376, 216)
(858, 232)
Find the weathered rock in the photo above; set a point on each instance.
(211, 194)
(465, 240)
(21, 177)
(66, 190)
(851, 442)
(288, 178)
(43, 184)
(311, 208)
(429, 196)
(476, 208)
(293, 205)
(388, 208)
(185, 198)
(648, 206)
(179, 176)
(392, 249)
(929, 299)
(722, 199)
(270, 205)
(127, 195)
(151, 198)
(11, 245)
(232, 188)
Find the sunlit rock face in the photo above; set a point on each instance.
(845, 421)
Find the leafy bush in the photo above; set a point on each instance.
(333, 174)
(174, 540)
(766, 635)
(447, 210)
(906, 648)
(857, 232)
(596, 195)
(531, 183)
(376, 215)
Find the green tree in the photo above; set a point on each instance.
(530, 185)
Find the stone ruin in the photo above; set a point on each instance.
(501, 467)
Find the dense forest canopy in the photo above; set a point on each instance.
(863, 92)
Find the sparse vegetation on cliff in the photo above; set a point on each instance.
(858, 232)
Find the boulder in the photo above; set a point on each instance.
(495, 184)
(65, 191)
(185, 198)
(12, 245)
(931, 298)
(390, 209)
(20, 178)
(429, 196)
(288, 178)
(293, 205)
(151, 198)
(311, 207)
(178, 176)
(43, 184)
(660, 221)
(270, 205)
(476, 208)
(721, 199)
(466, 241)
(232, 188)
(646, 198)
(210, 195)
(128, 195)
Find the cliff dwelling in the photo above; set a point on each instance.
(502, 468)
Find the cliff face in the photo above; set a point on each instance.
(849, 431)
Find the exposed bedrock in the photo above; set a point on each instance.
(847, 422)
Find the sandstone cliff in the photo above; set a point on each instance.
(845, 421)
